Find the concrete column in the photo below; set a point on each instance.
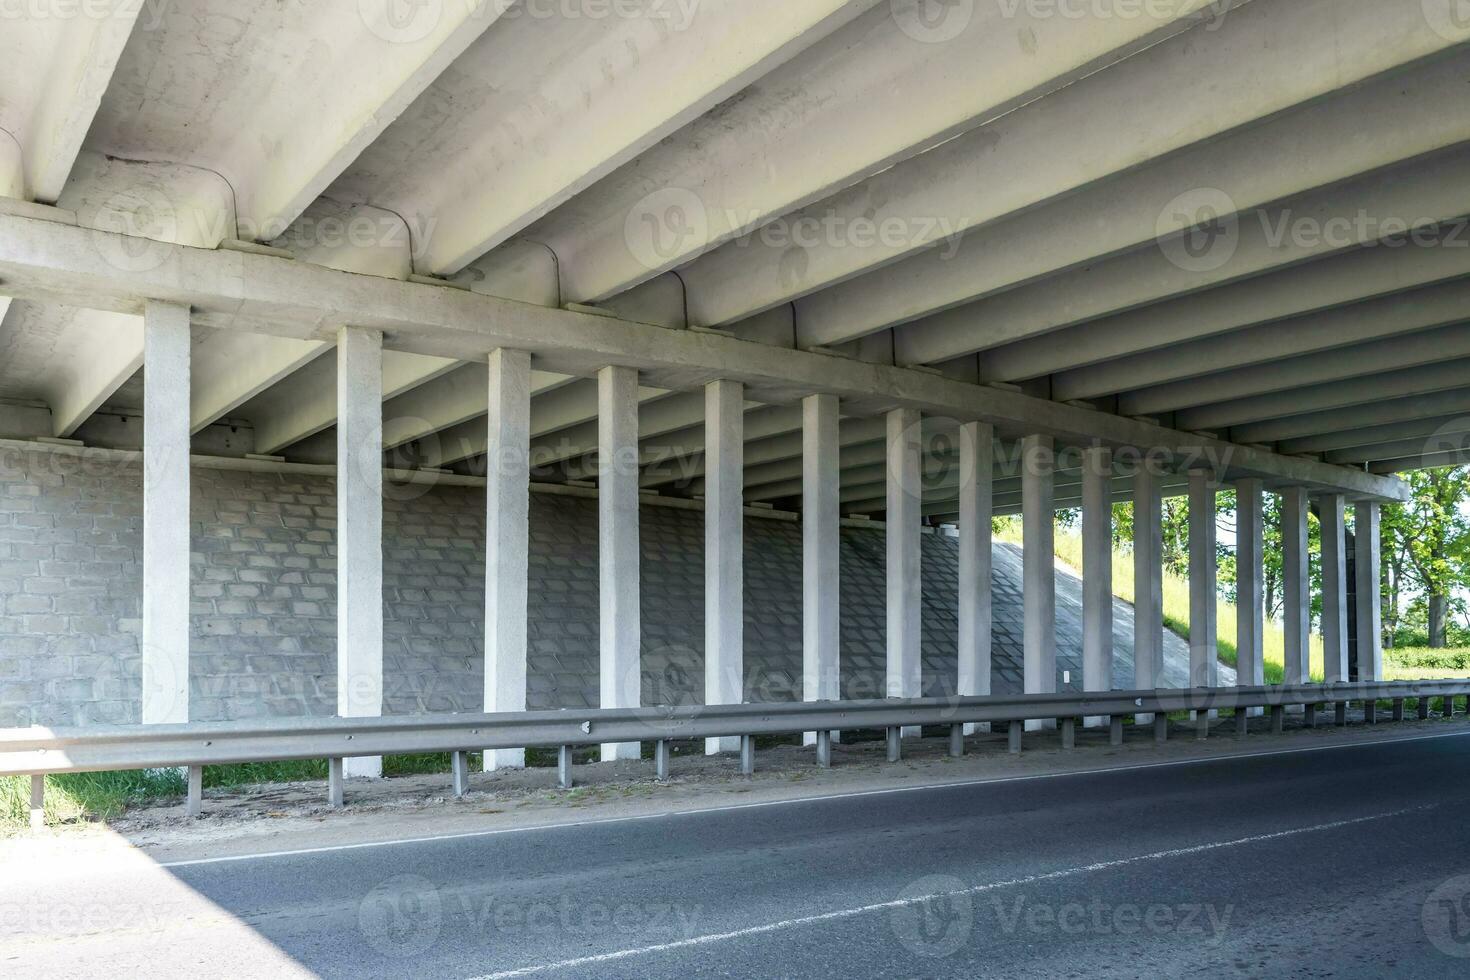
(1204, 668)
(617, 540)
(1038, 546)
(165, 668)
(360, 533)
(905, 496)
(1334, 588)
(1296, 599)
(1250, 598)
(507, 540)
(724, 514)
(1097, 573)
(977, 468)
(1367, 539)
(1148, 583)
(820, 548)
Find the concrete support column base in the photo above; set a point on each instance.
(824, 749)
(1069, 733)
(1115, 730)
(1278, 719)
(895, 746)
(956, 741)
(1013, 740)
(1161, 728)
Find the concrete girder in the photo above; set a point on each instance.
(53, 260)
(54, 71)
(1374, 409)
(1425, 462)
(659, 419)
(302, 405)
(1435, 444)
(551, 414)
(1446, 425)
(1387, 316)
(1133, 115)
(232, 368)
(457, 396)
(775, 448)
(680, 456)
(945, 505)
(86, 357)
(358, 65)
(790, 141)
(1426, 347)
(1321, 223)
(562, 85)
(1438, 376)
(1354, 276)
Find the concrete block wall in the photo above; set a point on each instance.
(264, 615)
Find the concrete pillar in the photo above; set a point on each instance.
(724, 514)
(977, 467)
(617, 539)
(820, 549)
(905, 496)
(1204, 668)
(1097, 574)
(1148, 583)
(165, 667)
(1250, 593)
(1038, 589)
(1296, 599)
(1334, 588)
(360, 533)
(507, 540)
(1367, 539)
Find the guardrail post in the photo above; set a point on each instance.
(895, 748)
(747, 755)
(1339, 713)
(334, 783)
(956, 741)
(194, 804)
(1115, 730)
(38, 803)
(1370, 711)
(1201, 725)
(1013, 742)
(1449, 706)
(1242, 722)
(824, 749)
(1161, 728)
(1069, 733)
(460, 766)
(564, 767)
(1278, 719)
(661, 760)
(1310, 711)
(1398, 709)
(1423, 707)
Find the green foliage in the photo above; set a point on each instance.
(1426, 556)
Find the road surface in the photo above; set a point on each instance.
(1351, 860)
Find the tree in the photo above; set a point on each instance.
(1430, 537)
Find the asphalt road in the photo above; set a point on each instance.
(1349, 861)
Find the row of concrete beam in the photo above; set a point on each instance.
(509, 381)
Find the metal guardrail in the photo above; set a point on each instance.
(39, 751)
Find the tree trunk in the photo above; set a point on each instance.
(1436, 621)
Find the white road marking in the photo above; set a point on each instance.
(807, 920)
(733, 807)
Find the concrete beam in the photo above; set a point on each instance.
(166, 593)
(1445, 426)
(1142, 141)
(266, 294)
(1295, 428)
(451, 399)
(232, 368)
(1404, 197)
(716, 174)
(113, 351)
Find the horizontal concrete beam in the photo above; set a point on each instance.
(53, 261)
(1372, 413)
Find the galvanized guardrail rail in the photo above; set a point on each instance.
(38, 752)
